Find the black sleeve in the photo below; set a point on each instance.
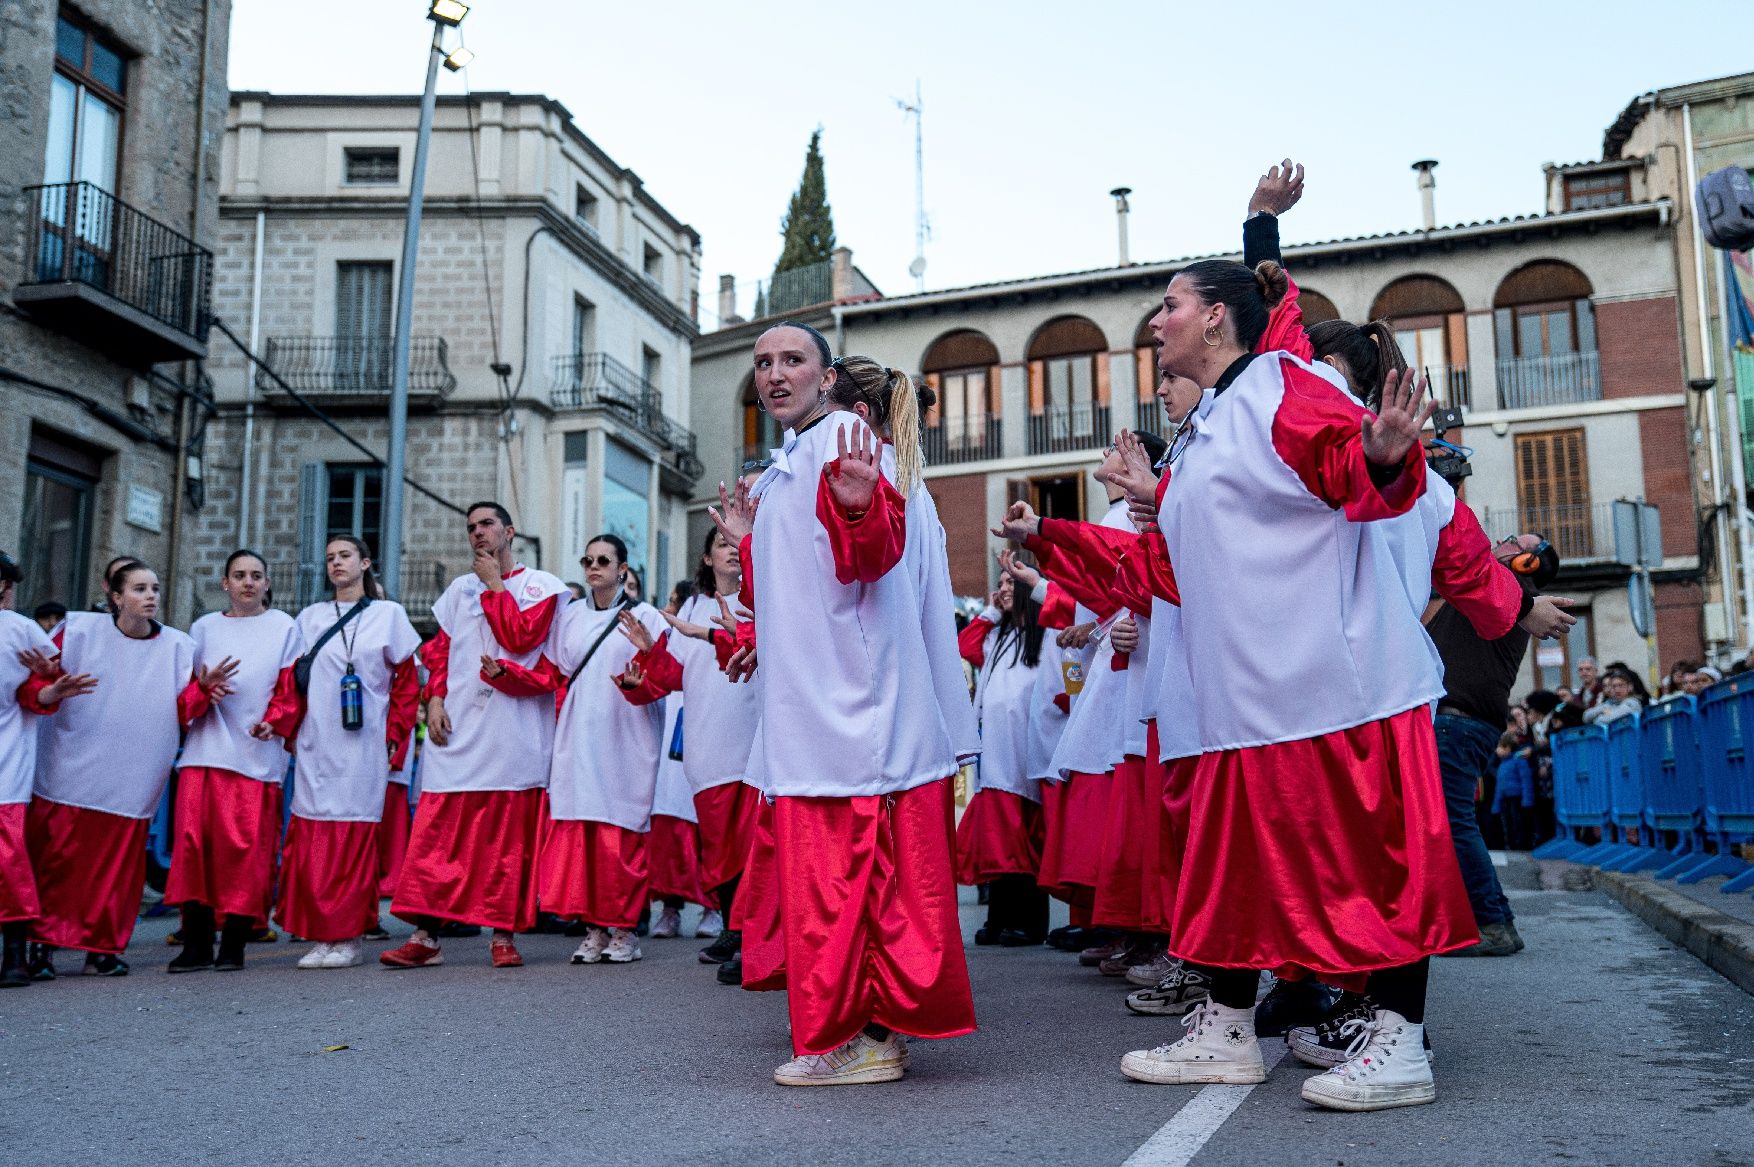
(1260, 239)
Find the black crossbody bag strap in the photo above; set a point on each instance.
(614, 622)
(301, 669)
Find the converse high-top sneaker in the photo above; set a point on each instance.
(1219, 1046)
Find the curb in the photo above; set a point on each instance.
(1724, 943)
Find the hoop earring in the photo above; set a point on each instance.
(1210, 336)
(760, 405)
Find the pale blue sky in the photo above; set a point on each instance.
(1034, 110)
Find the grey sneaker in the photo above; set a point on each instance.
(1181, 989)
(1495, 940)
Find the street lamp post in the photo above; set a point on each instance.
(441, 13)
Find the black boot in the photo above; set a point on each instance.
(14, 967)
(728, 944)
(41, 958)
(1016, 894)
(990, 932)
(197, 932)
(231, 943)
(731, 972)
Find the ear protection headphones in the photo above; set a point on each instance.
(1529, 562)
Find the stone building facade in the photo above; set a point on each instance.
(109, 168)
(554, 310)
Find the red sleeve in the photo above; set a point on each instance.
(1081, 558)
(192, 703)
(404, 709)
(1316, 433)
(435, 654)
(518, 629)
(1160, 573)
(726, 645)
(1057, 610)
(1285, 330)
(519, 681)
(663, 671)
(1467, 575)
(971, 642)
(867, 547)
(30, 695)
(746, 565)
(1132, 587)
(286, 709)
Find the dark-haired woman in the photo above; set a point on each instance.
(594, 864)
(999, 839)
(853, 743)
(344, 743)
(228, 782)
(94, 800)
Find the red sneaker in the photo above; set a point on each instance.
(412, 955)
(505, 955)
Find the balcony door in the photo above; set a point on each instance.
(363, 297)
(1553, 490)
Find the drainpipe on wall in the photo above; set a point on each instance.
(244, 539)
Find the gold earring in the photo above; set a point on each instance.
(1210, 336)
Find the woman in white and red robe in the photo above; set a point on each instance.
(24, 693)
(329, 871)
(594, 862)
(853, 744)
(471, 855)
(227, 822)
(93, 801)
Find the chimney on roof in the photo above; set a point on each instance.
(728, 301)
(1427, 188)
(1119, 194)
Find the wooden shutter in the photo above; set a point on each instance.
(1553, 489)
(313, 520)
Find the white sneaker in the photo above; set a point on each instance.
(711, 924)
(669, 925)
(861, 1060)
(1386, 1066)
(623, 946)
(346, 954)
(590, 949)
(1219, 1046)
(1152, 972)
(316, 956)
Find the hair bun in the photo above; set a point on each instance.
(927, 396)
(1272, 281)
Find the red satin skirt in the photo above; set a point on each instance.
(472, 858)
(1163, 856)
(1000, 834)
(868, 918)
(227, 830)
(1329, 856)
(393, 837)
(727, 815)
(596, 872)
(329, 879)
(755, 912)
(674, 850)
(1134, 794)
(18, 883)
(1075, 812)
(91, 868)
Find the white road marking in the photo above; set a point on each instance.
(1180, 1139)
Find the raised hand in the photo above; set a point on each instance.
(490, 667)
(67, 685)
(726, 620)
(1026, 576)
(1548, 619)
(685, 628)
(741, 666)
(215, 680)
(1136, 476)
(1278, 190)
(735, 514)
(1395, 428)
(1019, 523)
(853, 475)
(632, 677)
(43, 664)
(486, 568)
(636, 632)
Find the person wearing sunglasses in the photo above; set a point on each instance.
(471, 854)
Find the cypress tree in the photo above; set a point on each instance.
(809, 224)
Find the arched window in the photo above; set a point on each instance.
(1315, 306)
(1432, 327)
(962, 367)
(760, 432)
(1068, 386)
(1147, 413)
(1545, 329)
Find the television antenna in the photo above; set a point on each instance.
(922, 229)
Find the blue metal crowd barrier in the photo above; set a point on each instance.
(1670, 789)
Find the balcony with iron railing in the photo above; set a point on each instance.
(1581, 532)
(1550, 379)
(1060, 429)
(355, 369)
(1449, 384)
(113, 277)
(597, 382)
(972, 437)
(298, 585)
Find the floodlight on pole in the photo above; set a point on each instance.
(459, 59)
(449, 12)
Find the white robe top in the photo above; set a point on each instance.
(674, 797)
(1047, 722)
(1141, 698)
(18, 729)
(341, 773)
(606, 749)
(1282, 594)
(112, 749)
(849, 707)
(263, 645)
(1178, 729)
(927, 556)
(498, 742)
(1004, 699)
(1098, 727)
(720, 722)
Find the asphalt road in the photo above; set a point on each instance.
(1601, 1044)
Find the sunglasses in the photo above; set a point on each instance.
(598, 561)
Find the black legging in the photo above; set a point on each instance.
(1401, 989)
(727, 893)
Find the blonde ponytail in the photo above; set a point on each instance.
(904, 431)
